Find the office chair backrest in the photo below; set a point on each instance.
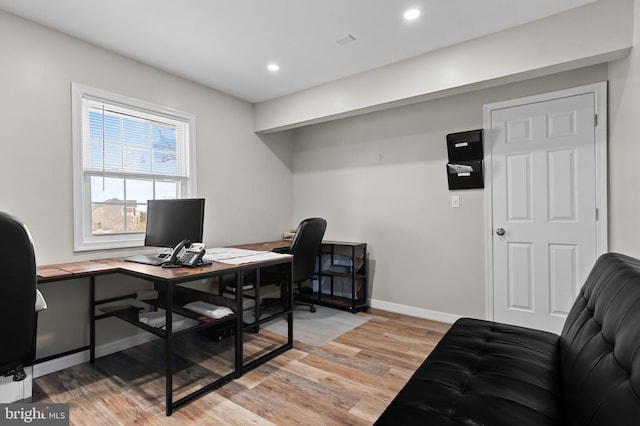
(17, 295)
(305, 247)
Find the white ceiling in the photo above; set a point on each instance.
(227, 44)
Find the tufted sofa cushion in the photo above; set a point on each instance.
(492, 374)
(600, 346)
(484, 373)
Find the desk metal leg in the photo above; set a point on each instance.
(286, 297)
(289, 296)
(92, 320)
(239, 359)
(256, 293)
(169, 349)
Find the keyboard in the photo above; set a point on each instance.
(147, 260)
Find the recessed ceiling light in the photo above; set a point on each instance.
(273, 67)
(411, 14)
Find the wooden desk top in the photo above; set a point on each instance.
(51, 272)
(64, 271)
(167, 274)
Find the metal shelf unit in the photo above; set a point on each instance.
(341, 277)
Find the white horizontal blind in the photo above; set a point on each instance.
(120, 140)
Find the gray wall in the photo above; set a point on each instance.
(382, 173)
(380, 178)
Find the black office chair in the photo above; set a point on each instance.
(305, 248)
(18, 317)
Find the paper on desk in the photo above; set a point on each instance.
(236, 256)
(258, 257)
(218, 254)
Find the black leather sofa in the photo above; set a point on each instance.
(488, 373)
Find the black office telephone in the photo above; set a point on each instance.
(186, 253)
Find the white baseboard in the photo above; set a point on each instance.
(414, 312)
(61, 363)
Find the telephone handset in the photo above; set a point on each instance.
(186, 254)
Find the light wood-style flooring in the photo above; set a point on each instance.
(347, 381)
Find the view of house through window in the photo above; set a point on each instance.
(129, 152)
(114, 212)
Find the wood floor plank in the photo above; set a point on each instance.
(347, 381)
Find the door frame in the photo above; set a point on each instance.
(599, 90)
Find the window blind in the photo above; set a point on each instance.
(120, 140)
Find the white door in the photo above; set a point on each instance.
(544, 200)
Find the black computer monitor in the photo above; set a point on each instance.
(171, 221)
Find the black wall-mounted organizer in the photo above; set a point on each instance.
(464, 169)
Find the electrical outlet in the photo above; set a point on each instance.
(455, 201)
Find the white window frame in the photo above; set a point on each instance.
(84, 239)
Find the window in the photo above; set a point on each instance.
(125, 152)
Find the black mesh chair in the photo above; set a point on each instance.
(305, 248)
(18, 279)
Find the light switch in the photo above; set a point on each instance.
(455, 201)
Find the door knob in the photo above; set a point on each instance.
(500, 231)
